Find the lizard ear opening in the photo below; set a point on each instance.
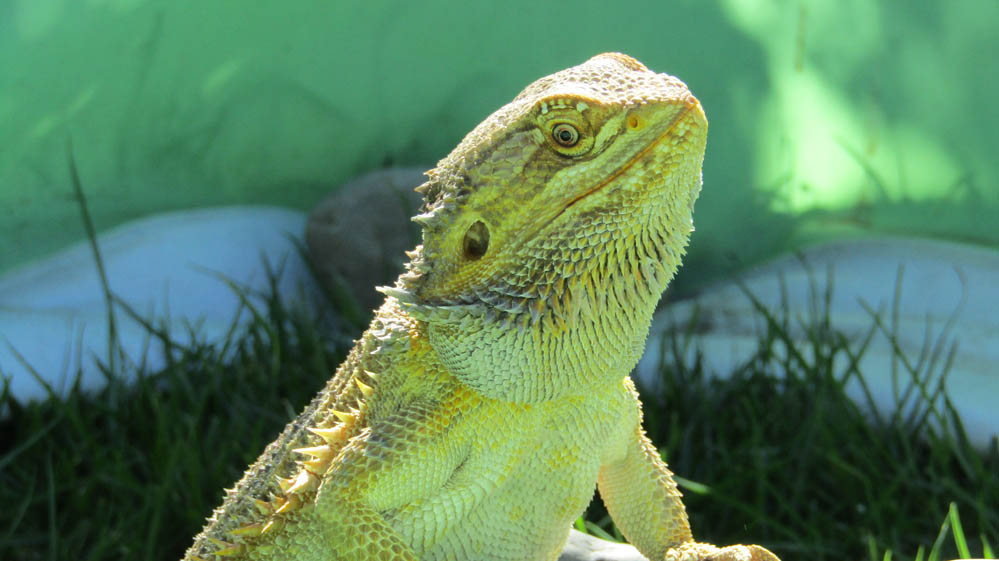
(476, 241)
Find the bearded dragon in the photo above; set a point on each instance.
(490, 393)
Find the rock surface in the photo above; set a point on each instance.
(358, 235)
(583, 547)
(931, 296)
(170, 268)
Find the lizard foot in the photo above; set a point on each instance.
(707, 552)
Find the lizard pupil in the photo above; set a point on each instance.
(476, 240)
(565, 134)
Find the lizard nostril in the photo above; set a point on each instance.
(636, 122)
(476, 240)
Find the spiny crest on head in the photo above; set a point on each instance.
(444, 190)
(443, 193)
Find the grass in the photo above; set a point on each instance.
(778, 454)
(775, 454)
(131, 471)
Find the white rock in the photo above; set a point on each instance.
(53, 316)
(947, 293)
(583, 547)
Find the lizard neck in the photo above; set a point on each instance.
(591, 332)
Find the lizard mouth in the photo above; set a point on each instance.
(666, 134)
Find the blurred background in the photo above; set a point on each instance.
(203, 131)
(828, 119)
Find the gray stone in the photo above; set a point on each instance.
(357, 235)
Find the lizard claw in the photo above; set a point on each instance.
(708, 552)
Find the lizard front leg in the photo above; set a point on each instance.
(644, 502)
(347, 515)
(356, 532)
(396, 466)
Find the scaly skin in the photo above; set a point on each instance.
(490, 394)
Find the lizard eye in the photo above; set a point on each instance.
(565, 134)
(476, 240)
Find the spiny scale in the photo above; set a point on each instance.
(306, 482)
(249, 531)
(333, 435)
(296, 491)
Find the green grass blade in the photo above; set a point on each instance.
(958, 531)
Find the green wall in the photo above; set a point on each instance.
(827, 118)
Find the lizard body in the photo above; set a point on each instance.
(490, 394)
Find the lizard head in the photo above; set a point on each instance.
(551, 231)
